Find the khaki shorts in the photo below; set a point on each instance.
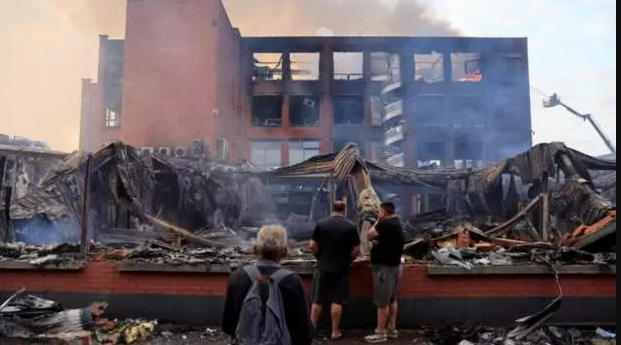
(385, 284)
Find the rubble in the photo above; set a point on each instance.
(31, 317)
(151, 209)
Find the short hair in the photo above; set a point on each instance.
(388, 207)
(271, 240)
(339, 206)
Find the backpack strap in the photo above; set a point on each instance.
(253, 272)
(279, 275)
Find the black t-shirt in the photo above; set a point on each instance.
(389, 248)
(336, 236)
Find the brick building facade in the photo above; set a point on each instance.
(184, 74)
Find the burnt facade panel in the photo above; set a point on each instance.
(406, 100)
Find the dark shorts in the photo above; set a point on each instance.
(330, 287)
(385, 284)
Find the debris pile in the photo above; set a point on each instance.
(27, 316)
(481, 335)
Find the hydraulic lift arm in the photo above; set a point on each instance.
(554, 100)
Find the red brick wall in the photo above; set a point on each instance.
(103, 278)
(228, 120)
(170, 72)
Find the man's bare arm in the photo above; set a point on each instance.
(372, 234)
(312, 245)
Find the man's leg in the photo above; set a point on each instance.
(336, 311)
(319, 294)
(339, 284)
(381, 299)
(394, 307)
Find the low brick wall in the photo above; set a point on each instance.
(426, 293)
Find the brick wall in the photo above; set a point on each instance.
(103, 278)
(170, 72)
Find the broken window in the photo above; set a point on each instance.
(267, 111)
(466, 67)
(301, 150)
(267, 66)
(430, 153)
(468, 151)
(430, 111)
(348, 66)
(304, 111)
(304, 66)
(429, 68)
(349, 110)
(511, 67)
(468, 112)
(385, 66)
(112, 119)
(265, 153)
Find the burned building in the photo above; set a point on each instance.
(185, 77)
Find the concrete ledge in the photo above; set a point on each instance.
(437, 270)
(182, 268)
(302, 268)
(65, 266)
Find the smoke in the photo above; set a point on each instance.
(48, 46)
(341, 17)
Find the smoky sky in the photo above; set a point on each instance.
(49, 45)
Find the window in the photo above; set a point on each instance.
(302, 150)
(265, 153)
(349, 110)
(466, 67)
(112, 119)
(511, 67)
(267, 66)
(304, 66)
(429, 68)
(267, 111)
(304, 111)
(347, 66)
(430, 111)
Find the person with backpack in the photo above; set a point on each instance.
(266, 304)
(336, 243)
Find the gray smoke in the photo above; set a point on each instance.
(342, 17)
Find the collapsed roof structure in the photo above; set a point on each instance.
(135, 198)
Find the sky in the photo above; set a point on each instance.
(49, 45)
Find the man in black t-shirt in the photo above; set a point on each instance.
(335, 243)
(388, 240)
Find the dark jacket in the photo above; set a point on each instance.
(293, 299)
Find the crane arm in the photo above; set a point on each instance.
(554, 100)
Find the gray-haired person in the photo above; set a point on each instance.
(271, 247)
(388, 240)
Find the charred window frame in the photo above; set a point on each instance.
(267, 66)
(511, 67)
(430, 111)
(304, 66)
(304, 111)
(467, 112)
(266, 153)
(431, 153)
(348, 65)
(466, 67)
(429, 68)
(267, 111)
(112, 119)
(301, 150)
(468, 153)
(349, 110)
